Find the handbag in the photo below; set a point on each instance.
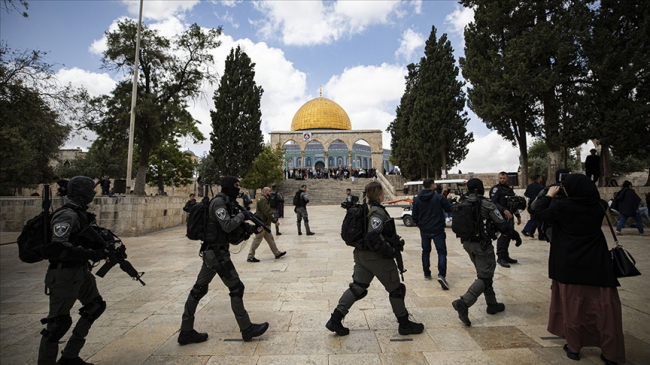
(622, 261)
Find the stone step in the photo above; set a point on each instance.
(322, 191)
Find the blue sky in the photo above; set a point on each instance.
(357, 50)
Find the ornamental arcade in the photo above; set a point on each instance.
(321, 137)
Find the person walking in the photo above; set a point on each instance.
(300, 201)
(275, 199)
(626, 203)
(226, 226)
(532, 190)
(585, 306)
(376, 259)
(69, 278)
(263, 209)
(428, 215)
(499, 195)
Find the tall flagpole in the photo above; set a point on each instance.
(134, 95)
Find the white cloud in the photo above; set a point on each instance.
(409, 43)
(320, 22)
(96, 83)
(284, 88)
(160, 10)
(227, 18)
(230, 3)
(369, 95)
(417, 6)
(99, 45)
(490, 153)
(458, 19)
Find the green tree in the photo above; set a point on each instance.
(617, 90)
(537, 162)
(402, 151)
(31, 129)
(172, 72)
(236, 138)
(98, 162)
(438, 122)
(267, 168)
(170, 167)
(524, 61)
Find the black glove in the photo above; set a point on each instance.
(96, 255)
(515, 236)
(388, 252)
(247, 214)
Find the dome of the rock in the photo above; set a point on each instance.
(320, 113)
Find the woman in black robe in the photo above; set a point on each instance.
(585, 306)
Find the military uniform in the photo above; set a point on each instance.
(264, 211)
(301, 211)
(481, 252)
(376, 259)
(68, 277)
(498, 195)
(277, 198)
(226, 226)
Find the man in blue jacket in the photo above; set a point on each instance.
(429, 217)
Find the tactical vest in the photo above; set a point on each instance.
(215, 235)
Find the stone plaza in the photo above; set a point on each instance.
(296, 295)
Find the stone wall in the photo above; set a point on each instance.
(127, 216)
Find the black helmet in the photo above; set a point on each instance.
(81, 190)
(475, 185)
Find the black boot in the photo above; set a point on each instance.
(406, 327)
(254, 330)
(335, 325)
(186, 337)
(299, 231)
(463, 313)
(495, 308)
(74, 361)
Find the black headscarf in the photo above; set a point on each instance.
(475, 184)
(581, 190)
(228, 186)
(81, 190)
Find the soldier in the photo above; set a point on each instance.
(499, 195)
(481, 252)
(68, 277)
(300, 201)
(274, 202)
(226, 226)
(264, 211)
(376, 258)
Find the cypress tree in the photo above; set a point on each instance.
(236, 137)
(438, 122)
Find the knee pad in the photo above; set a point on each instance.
(199, 291)
(93, 310)
(487, 282)
(399, 292)
(57, 327)
(359, 294)
(237, 291)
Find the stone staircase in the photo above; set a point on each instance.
(322, 191)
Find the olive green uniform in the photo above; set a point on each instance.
(264, 211)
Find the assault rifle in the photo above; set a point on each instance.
(116, 254)
(399, 260)
(253, 217)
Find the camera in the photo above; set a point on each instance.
(517, 202)
(562, 177)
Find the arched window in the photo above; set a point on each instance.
(339, 161)
(308, 162)
(330, 161)
(298, 162)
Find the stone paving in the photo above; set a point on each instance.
(296, 294)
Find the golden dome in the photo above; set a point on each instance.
(320, 113)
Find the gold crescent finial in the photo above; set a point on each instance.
(320, 91)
